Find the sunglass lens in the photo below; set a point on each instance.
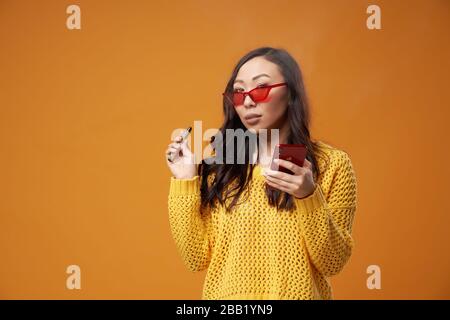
(238, 98)
(259, 94)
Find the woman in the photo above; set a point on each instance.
(261, 233)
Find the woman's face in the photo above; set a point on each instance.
(271, 113)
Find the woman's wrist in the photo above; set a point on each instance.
(310, 193)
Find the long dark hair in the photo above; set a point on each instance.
(230, 180)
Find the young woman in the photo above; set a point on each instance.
(260, 233)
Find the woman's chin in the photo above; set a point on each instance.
(254, 128)
(257, 128)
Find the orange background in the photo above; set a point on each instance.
(86, 116)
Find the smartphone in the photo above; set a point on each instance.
(295, 153)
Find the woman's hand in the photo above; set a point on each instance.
(181, 163)
(300, 184)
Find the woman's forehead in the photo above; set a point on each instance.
(256, 67)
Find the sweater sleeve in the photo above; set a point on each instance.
(327, 225)
(189, 225)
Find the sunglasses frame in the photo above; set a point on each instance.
(249, 93)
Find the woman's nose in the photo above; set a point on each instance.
(248, 102)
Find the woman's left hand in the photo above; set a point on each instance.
(300, 184)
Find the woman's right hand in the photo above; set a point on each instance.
(182, 165)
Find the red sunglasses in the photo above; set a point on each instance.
(257, 94)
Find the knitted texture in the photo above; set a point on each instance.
(258, 252)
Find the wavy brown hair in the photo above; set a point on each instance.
(221, 188)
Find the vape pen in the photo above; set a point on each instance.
(183, 137)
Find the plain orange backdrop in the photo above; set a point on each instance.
(86, 116)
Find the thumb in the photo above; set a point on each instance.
(307, 164)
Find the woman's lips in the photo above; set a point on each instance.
(253, 120)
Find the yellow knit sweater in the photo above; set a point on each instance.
(257, 252)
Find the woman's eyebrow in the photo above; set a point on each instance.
(254, 78)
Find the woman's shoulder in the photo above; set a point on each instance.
(334, 152)
(332, 158)
(339, 176)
